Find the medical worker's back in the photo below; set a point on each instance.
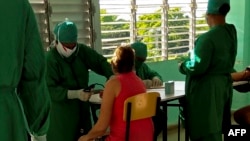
(22, 81)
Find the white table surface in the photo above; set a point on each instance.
(179, 92)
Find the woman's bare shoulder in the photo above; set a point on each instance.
(113, 84)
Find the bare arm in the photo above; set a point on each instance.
(240, 76)
(111, 90)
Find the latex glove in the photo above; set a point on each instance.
(156, 82)
(38, 138)
(148, 83)
(79, 94)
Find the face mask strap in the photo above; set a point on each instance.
(58, 32)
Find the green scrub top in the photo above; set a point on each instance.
(208, 81)
(22, 74)
(68, 116)
(144, 72)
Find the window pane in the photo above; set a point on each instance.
(76, 11)
(115, 24)
(168, 29)
(39, 7)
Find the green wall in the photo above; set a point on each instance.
(239, 16)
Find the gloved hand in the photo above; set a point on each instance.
(79, 94)
(38, 138)
(156, 82)
(147, 83)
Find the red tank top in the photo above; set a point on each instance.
(140, 130)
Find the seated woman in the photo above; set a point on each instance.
(124, 84)
(242, 115)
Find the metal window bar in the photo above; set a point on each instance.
(158, 26)
(42, 12)
(193, 7)
(165, 27)
(114, 17)
(164, 37)
(179, 29)
(76, 11)
(201, 25)
(179, 25)
(133, 32)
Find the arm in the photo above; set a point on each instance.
(155, 79)
(149, 73)
(54, 81)
(241, 76)
(149, 77)
(57, 92)
(32, 88)
(97, 62)
(199, 58)
(111, 90)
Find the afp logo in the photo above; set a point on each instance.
(237, 132)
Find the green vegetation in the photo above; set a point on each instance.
(149, 30)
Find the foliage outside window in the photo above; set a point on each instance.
(169, 28)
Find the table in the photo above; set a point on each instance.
(95, 101)
(179, 93)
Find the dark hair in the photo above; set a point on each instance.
(224, 9)
(123, 60)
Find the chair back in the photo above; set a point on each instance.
(140, 106)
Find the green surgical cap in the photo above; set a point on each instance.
(140, 49)
(66, 32)
(213, 6)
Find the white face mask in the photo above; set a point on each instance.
(65, 51)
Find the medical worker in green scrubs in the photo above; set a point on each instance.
(23, 89)
(208, 79)
(150, 77)
(68, 69)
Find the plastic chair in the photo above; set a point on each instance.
(138, 107)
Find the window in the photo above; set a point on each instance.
(168, 27)
(49, 13)
(41, 11)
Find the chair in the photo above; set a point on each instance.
(139, 107)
